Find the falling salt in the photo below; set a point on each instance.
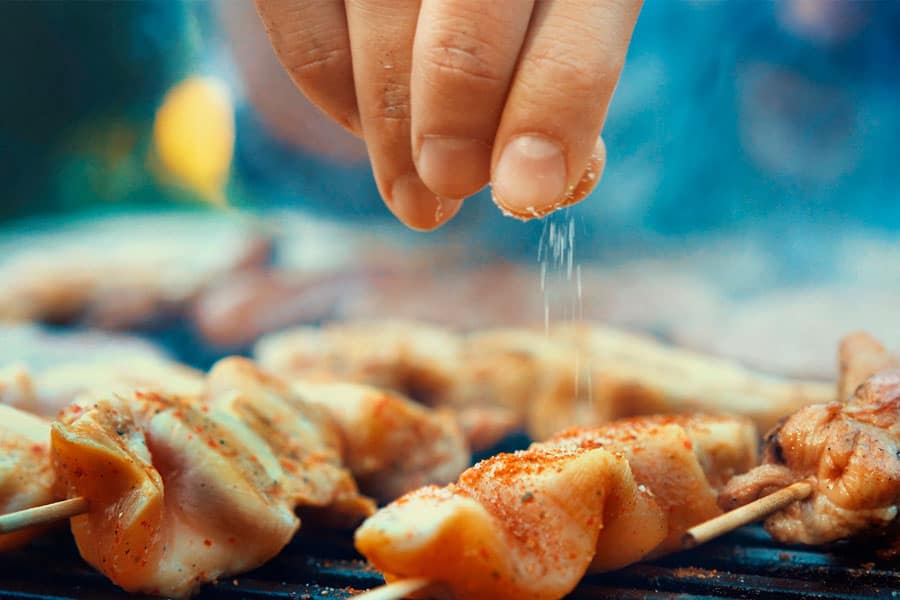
(562, 288)
(556, 255)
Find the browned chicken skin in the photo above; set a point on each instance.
(850, 452)
(181, 491)
(390, 444)
(497, 381)
(530, 524)
(185, 488)
(26, 478)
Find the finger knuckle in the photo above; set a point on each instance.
(460, 58)
(578, 76)
(392, 104)
(462, 51)
(317, 60)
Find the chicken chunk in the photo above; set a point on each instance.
(416, 360)
(26, 477)
(530, 524)
(859, 357)
(639, 375)
(421, 362)
(181, 492)
(374, 429)
(120, 271)
(391, 445)
(850, 453)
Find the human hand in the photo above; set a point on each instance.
(450, 95)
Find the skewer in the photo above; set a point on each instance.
(754, 511)
(43, 515)
(395, 590)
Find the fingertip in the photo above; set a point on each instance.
(529, 179)
(418, 207)
(573, 194)
(590, 177)
(454, 167)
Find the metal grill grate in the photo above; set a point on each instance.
(746, 564)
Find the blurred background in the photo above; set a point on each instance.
(751, 199)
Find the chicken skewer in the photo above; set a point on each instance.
(174, 487)
(376, 427)
(836, 467)
(269, 428)
(43, 514)
(500, 380)
(531, 524)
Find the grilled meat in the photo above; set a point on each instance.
(530, 524)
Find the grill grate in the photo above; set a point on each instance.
(745, 564)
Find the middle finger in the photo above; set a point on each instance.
(381, 38)
(464, 56)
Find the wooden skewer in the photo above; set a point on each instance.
(756, 510)
(43, 515)
(395, 590)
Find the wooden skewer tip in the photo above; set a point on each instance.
(395, 590)
(42, 515)
(754, 511)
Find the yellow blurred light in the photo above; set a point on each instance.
(194, 136)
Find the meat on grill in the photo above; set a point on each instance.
(849, 452)
(500, 380)
(182, 492)
(390, 444)
(26, 478)
(530, 524)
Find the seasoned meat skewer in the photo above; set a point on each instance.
(181, 492)
(390, 444)
(506, 379)
(418, 361)
(530, 524)
(376, 428)
(849, 454)
(175, 485)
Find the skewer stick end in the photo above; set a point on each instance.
(396, 589)
(43, 515)
(754, 511)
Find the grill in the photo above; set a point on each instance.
(745, 564)
(317, 566)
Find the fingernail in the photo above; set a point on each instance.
(417, 206)
(530, 175)
(590, 177)
(454, 167)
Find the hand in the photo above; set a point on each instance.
(452, 94)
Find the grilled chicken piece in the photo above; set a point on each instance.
(502, 380)
(182, 492)
(530, 524)
(390, 444)
(849, 452)
(26, 477)
(42, 371)
(859, 357)
(17, 389)
(638, 375)
(418, 361)
(120, 271)
(46, 391)
(685, 460)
